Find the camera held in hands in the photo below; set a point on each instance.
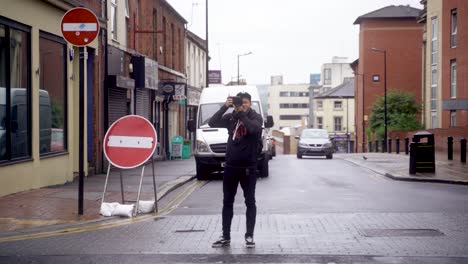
(236, 101)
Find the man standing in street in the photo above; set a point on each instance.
(244, 144)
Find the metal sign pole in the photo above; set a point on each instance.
(139, 189)
(122, 187)
(81, 134)
(154, 187)
(105, 184)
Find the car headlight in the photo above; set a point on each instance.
(202, 146)
(327, 145)
(303, 145)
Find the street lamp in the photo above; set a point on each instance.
(385, 95)
(238, 74)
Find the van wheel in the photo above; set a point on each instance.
(263, 167)
(299, 156)
(330, 156)
(202, 172)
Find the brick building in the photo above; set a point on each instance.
(393, 29)
(454, 64)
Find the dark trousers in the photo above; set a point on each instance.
(247, 179)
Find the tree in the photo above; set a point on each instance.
(402, 113)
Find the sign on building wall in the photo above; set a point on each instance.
(214, 77)
(193, 96)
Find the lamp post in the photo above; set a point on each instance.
(363, 117)
(238, 71)
(385, 96)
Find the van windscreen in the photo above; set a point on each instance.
(208, 110)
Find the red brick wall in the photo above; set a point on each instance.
(149, 44)
(460, 53)
(402, 39)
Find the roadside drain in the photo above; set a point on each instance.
(400, 232)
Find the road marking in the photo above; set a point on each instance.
(168, 208)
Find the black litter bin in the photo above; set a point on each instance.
(422, 153)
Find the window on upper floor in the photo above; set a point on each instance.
(113, 19)
(338, 105)
(453, 20)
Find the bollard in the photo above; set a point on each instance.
(398, 146)
(389, 145)
(450, 148)
(376, 146)
(384, 146)
(406, 145)
(463, 150)
(370, 146)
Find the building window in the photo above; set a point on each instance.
(453, 118)
(127, 11)
(453, 38)
(319, 105)
(434, 87)
(173, 48)
(434, 44)
(52, 94)
(15, 98)
(337, 105)
(164, 47)
(284, 94)
(319, 122)
(155, 36)
(181, 58)
(113, 19)
(327, 76)
(433, 119)
(290, 117)
(453, 78)
(294, 105)
(338, 123)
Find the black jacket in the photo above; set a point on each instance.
(244, 143)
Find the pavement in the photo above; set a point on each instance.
(58, 205)
(396, 166)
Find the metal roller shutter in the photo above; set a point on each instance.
(117, 104)
(143, 106)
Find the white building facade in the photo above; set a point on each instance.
(289, 105)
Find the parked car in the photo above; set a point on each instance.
(271, 146)
(314, 142)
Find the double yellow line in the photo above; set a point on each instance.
(168, 208)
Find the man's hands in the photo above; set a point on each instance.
(229, 102)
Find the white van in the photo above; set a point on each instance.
(211, 143)
(19, 122)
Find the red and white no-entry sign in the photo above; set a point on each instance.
(80, 26)
(130, 142)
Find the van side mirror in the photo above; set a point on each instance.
(191, 125)
(269, 122)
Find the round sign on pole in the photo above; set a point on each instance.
(80, 26)
(130, 142)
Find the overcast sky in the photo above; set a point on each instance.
(290, 38)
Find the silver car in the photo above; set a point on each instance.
(314, 142)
